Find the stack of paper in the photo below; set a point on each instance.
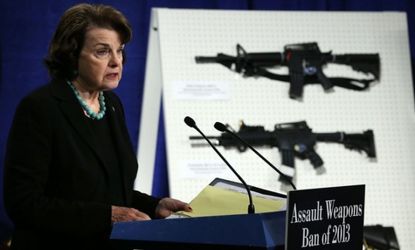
(214, 201)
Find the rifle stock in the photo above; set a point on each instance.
(360, 142)
(366, 63)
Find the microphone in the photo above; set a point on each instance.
(222, 128)
(191, 123)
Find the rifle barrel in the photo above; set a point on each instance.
(206, 59)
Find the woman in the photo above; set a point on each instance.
(70, 166)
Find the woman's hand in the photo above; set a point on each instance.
(167, 206)
(119, 214)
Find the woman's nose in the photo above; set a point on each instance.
(115, 59)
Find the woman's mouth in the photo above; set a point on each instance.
(112, 76)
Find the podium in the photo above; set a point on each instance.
(250, 231)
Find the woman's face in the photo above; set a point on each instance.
(100, 60)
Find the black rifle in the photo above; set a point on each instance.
(294, 139)
(305, 62)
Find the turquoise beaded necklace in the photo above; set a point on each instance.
(91, 114)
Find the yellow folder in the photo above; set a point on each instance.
(214, 201)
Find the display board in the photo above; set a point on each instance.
(211, 92)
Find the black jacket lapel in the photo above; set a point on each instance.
(126, 156)
(74, 114)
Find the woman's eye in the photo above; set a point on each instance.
(102, 52)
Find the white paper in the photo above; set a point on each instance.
(202, 169)
(201, 90)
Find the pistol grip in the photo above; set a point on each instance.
(314, 158)
(325, 82)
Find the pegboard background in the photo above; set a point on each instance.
(387, 107)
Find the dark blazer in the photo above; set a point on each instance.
(55, 179)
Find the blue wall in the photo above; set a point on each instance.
(27, 26)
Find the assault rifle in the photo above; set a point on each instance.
(294, 139)
(305, 62)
